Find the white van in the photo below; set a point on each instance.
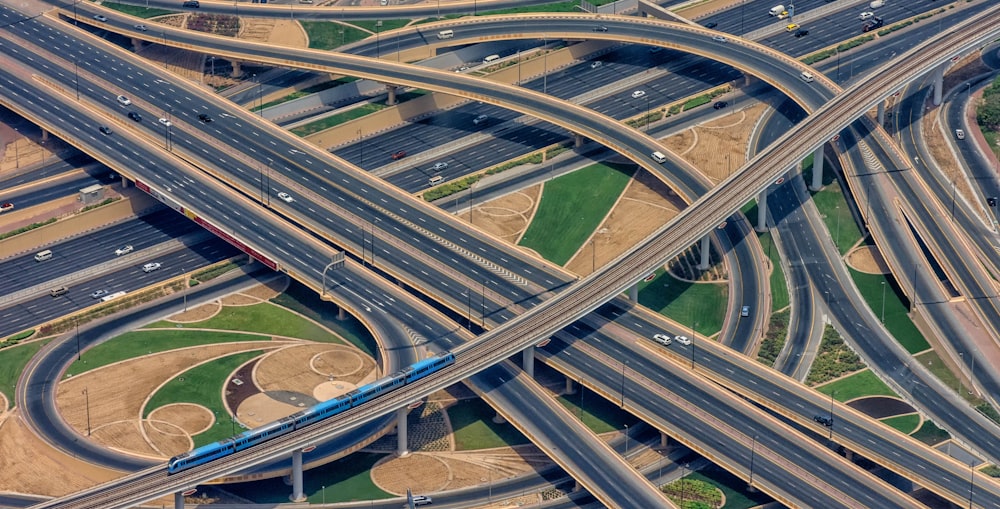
(659, 157)
(59, 290)
(434, 180)
(491, 58)
(41, 256)
(776, 10)
(446, 34)
(876, 4)
(806, 76)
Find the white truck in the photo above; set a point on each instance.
(776, 10)
(875, 4)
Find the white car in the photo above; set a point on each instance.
(718, 38)
(141, 28)
(285, 197)
(662, 339)
(638, 93)
(101, 18)
(124, 101)
(595, 65)
(960, 134)
(165, 122)
(421, 500)
(123, 250)
(150, 267)
(438, 166)
(682, 340)
(867, 15)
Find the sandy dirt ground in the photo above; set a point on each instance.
(197, 314)
(868, 260)
(508, 216)
(281, 32)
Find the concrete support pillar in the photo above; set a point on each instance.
(706, 250)
(401, 448)
(577, 140)
(45, 136)
(569, 386)
(664, 439)
(499, 419)
(817, 181)
(178, 500)
(250, 260)
(938, 85)
(528, 361)
(880, 113)
(576, 486)
(392, 95)
(762, 211)
(297, 494)
(341, 314)
(633, 293)
(136, 44)
(237, 70)
(125, 182)
(747, 80)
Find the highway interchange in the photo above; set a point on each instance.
(501, 316)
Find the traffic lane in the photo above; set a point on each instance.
(595, 464)
(86, 251)
(983, 175)
(68, 185)
(64, 164)
(45, 307)
(686, 419)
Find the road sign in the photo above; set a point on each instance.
(649, 277)
(415, 404)
(311, 448)
(544, 342)
(836, 137)
(189, 492)
(779, 181)
(722, 225)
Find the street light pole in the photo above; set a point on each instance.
(78, 352)
(626, 440)
(378, 25)
(831, 414)
(883, 302)
(961, 361)
(86, 396)
(624, 363)
(753, 446)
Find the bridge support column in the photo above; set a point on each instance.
(45, 136)
(178, 500)
(577, 140)
(237, 70)
(528, 361)
(392, 95)
(817, 181)
(938, 85)
(136, 44)
(569, 386)
(762, 211)
(880, 113)
(706, 250)
(499, 419)
(297, 494)
(664, 439)
(341, 314)
(401, 450)
(125, 182)
(633, 293)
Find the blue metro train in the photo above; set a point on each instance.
(206, 453)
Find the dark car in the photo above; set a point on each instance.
(191, 3)
(601, 28)
(105, 130)
(204, 118)
(719, 105)
(398, 155)
(711, 24)
(824, 420)
(802, 33)
(135, 116)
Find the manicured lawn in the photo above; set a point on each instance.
(387, 24)
(266, 318)
(573, 6)
(143, 342)
(202, 385)
(346, 480)
(897, 319)
(329, 35)
(339, 118)
(862, 383)
(779, 289)
(572, 207)
(904, 423)
(930, 434)
(302, 300)
(137, 11)
(472, 420)
(833, 209)
(932, 361)
(12, 362)
(702, 305)
(599, 414)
